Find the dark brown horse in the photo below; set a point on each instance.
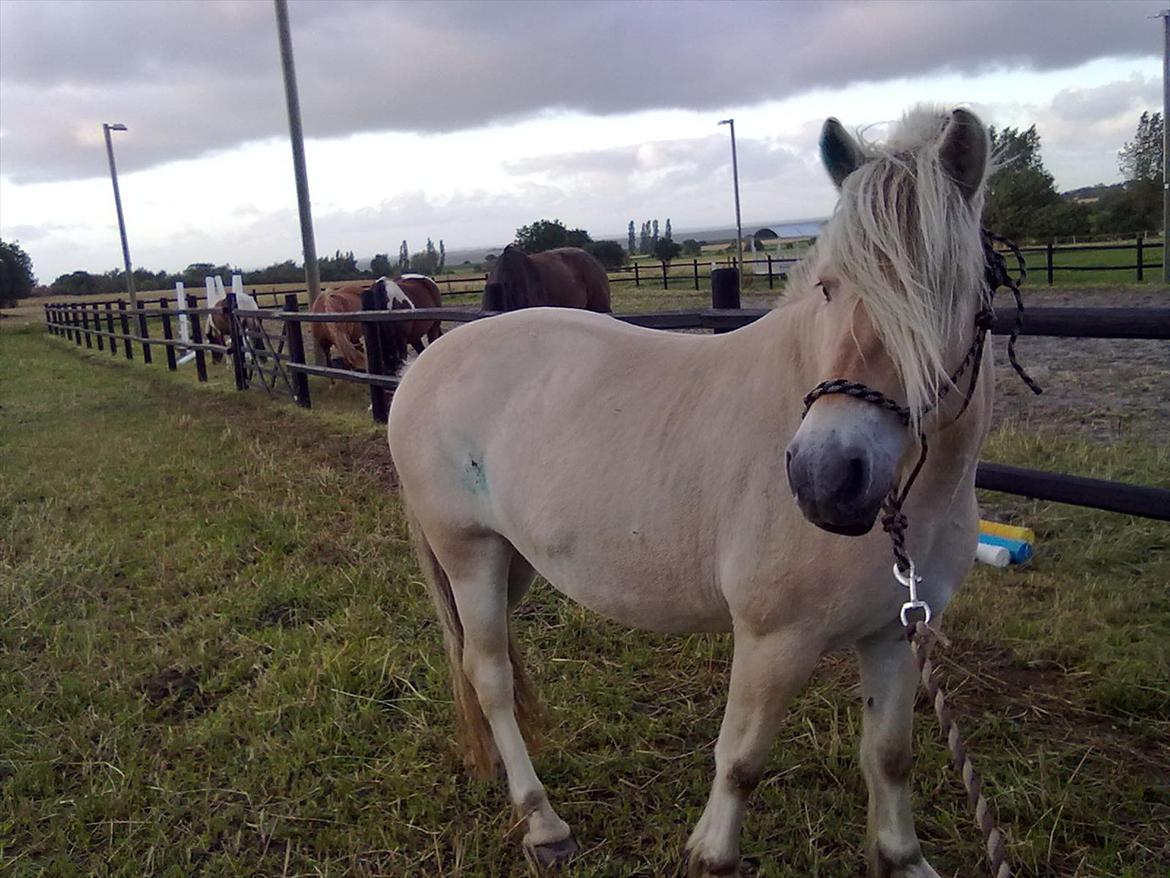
(567, 277)
(409, 291)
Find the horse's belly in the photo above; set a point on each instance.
(641, 589)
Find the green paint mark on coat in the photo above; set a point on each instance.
(475, 476)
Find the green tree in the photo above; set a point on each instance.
(549, 234)
(666, 250)
(691, 247)
(667, 233)
(654, 238)
(403, 259)
(631, 241)
(380, 265)
(16, 274)
(426, 262)
(1140, 162)
(1022, 188)
(608, 253)
(442, 256)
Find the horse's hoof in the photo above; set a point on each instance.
(552, 854)
(700, 867)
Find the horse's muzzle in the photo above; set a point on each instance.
(839, 486)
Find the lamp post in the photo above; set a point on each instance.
(106, 129)
(738, 224)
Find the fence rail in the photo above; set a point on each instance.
(82, 324)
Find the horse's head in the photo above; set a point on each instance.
(518, 278)
(894, 284)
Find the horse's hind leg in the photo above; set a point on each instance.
(481, 575)
(766, 672)
(888, 684)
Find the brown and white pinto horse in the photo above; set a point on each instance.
(410, 291)
(566, 277)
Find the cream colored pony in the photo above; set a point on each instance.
(668, 481)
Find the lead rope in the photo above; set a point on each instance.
(894, 522)
(922, 638)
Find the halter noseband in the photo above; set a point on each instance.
(996, 275)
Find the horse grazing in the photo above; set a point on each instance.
(567, 277)
(690, 527)
(410, 291)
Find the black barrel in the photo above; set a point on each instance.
(725, 288)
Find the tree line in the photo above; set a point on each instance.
(1023, 203)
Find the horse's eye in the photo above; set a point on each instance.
(825, 290)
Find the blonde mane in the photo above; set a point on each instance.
(905, 237)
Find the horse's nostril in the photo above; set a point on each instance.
(855, 477)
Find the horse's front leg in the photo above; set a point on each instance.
(766, 672)
(888, 683)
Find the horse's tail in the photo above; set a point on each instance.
(475, 734)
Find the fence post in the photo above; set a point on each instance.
(77, 323)
(168, 335)
(373, 338)
(144, 334)
(637, 283)
(124, 319)
(110, 328)
(695, 264)
(770, 276)
(229, 311)
(665, 278)
(1048, 252)
(197, 337)
(1141, 268)
(85, 326)
(296, 352)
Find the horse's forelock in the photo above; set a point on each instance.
(907, 237)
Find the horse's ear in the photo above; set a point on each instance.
(964, 151)
(841, 154)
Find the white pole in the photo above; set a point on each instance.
(184, 320)
(184, 323)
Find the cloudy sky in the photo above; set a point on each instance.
(464, 120)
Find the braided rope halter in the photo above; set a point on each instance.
(894, 521)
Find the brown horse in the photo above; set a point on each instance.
(410, 291)
(567, 277)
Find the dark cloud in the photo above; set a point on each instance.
(194, 77)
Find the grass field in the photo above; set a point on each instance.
(218, 659)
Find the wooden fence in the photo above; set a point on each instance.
(284, 358)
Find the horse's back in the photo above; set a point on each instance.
(576, 279)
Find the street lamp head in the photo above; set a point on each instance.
(726, 121)
(116, 126)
